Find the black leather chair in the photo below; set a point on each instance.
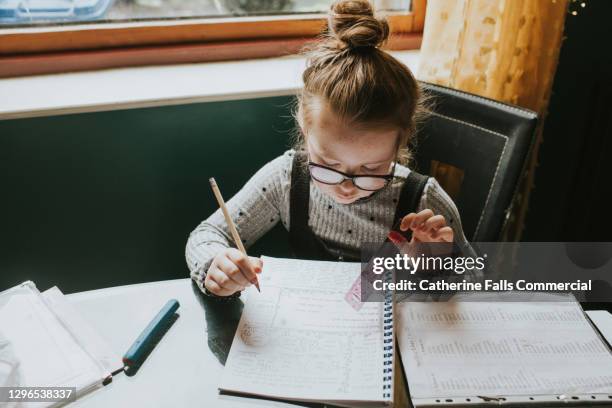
(489, 141)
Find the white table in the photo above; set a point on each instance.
(184, 369)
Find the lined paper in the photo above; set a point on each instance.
(300, 339)
(469, 348)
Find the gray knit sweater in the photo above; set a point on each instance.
(264, 201)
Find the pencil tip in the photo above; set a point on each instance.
(257, 286)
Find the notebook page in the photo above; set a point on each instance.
(466, 349)
(300, 339)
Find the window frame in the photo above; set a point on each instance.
(77, 47)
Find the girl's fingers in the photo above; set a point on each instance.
(421, 217)
(445, 234)
(232, 271)
(243, 262)
(224, 281)
(257, 264)
(427, 227)
(412, 220)
(418, 219)
(406, 221)
(434, 223)
(214, 286)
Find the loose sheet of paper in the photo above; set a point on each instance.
(464, 349)
(300, 339)
(82, 330)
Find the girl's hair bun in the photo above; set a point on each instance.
(352, 22)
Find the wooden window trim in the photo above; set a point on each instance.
(64, 48)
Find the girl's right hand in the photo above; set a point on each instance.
(232, 271)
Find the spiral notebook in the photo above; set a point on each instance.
(483, 349)
(300, 339)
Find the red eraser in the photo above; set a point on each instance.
(396, 237)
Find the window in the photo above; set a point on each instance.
(45, 12)
(47, 36)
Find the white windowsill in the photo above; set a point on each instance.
(126, 88)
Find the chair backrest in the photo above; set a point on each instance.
(486, 143)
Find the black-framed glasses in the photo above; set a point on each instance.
(367, 182)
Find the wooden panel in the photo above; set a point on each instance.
(96, 36)
(46, 63)
(502, 50)
(418, 9)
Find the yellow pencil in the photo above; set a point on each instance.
(230, 223)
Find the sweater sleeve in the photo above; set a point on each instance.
(435, 198)
(255, 209)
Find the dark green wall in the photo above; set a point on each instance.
(108, 198)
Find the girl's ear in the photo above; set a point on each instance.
(299, 117)
(302, 131)
(301, 125)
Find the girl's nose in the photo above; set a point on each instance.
(347, 186)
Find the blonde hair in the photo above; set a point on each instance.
(361, 83)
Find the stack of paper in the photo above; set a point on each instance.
(53, 345)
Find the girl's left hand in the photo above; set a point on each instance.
(427, 227)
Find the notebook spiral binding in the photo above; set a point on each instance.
(388, 343)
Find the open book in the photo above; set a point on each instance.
(300, 339)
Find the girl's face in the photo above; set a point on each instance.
(349, 149)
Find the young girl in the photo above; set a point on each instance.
(345, 183)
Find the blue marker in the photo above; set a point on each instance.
(152, 333)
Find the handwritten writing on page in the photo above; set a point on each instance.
(300, 339)
(469, 348)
